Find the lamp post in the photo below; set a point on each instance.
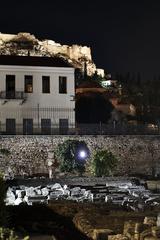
(82, 155)
(50, 161)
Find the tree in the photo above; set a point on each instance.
(93, 107)
(103, 163)
(67, 153)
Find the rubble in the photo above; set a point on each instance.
(138, 230)
(125, 195)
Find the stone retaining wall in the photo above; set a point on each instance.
(29, 154)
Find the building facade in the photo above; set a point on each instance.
(36, 95)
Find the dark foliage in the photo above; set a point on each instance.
(3, 216)
(103, 163)
(67, 153)
(93, 108)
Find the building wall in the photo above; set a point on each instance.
(37, 99)
(29, 154)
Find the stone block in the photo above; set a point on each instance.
(152, 221)
(101, 234)
(118, 237)
(156, 231)
(45, 191)
(129, 228)
(18, 201)
(30, 192)
(56, 186)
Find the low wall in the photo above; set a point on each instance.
(29, 154)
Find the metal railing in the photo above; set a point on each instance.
(13, 95)
(53, 126)
(79, 129)
(35, 129)
(119, 129)
(37, 120)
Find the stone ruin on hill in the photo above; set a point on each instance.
(25, 44)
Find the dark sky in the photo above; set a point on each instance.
(124, 35)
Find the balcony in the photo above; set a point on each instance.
(6, 96)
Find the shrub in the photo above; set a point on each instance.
(2, 203)
(8, 234)
(5, 233)
(4, 151)
(103, 163)
(67, 153)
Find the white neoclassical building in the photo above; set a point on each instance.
(36, 95)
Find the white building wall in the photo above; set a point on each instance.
(39, 105)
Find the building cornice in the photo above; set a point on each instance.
(36, 69)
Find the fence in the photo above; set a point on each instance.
(80, 129)
(37, 120)
(118, 129)
(60, 121)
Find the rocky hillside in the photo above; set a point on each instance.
(25, 44)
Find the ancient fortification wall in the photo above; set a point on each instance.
(29, 154)
(75, 51)
(75, 54)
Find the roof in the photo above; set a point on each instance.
(33, 61)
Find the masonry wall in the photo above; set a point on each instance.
(29, 154)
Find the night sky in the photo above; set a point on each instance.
(124, 35)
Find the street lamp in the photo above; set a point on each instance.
(82, 154)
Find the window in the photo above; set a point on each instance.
(46, 126)
(45, 84)
(10, 86)
(63, 126)
(62, 84)
(28, 84)
(27, 126)
(10, 126)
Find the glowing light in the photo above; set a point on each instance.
(82, 154)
